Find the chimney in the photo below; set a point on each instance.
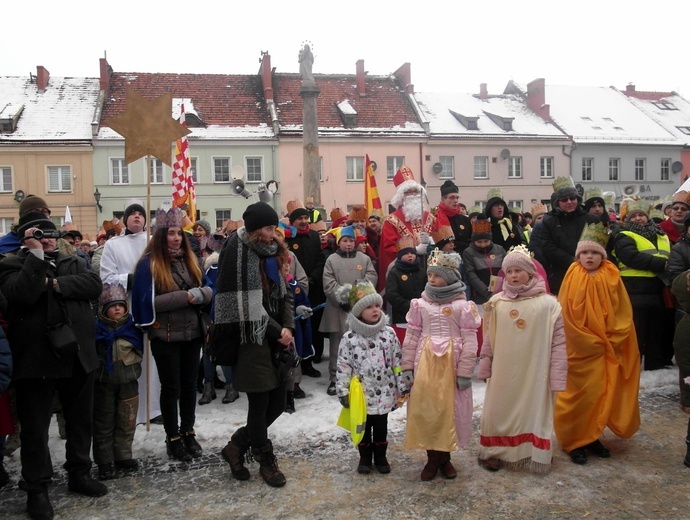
(404, 76)
(361, 81)
(536, 98)
(630, 87)
(42, 77)
(483, 93)
(265, 74)
(106, 70)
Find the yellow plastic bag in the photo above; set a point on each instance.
(354, 418)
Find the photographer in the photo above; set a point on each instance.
(256, 310)
(37, 278)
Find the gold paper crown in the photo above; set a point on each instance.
(656, 213)
(474, 209)
(318, 226)
(680, 196)
(336, 214)
(595, 233)
(358, 213)
(522, 249)
(494, 192)
(443, 233)
(593, 192)
(292, 205)
(481, 227)
(167, 219)
(309, 200)
(404, 243)
(637, 205)
(609, 198)
(563, 182)
(438, 258)
(538, 209)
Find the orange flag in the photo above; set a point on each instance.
(371, 194)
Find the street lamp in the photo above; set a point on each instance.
(97, 198)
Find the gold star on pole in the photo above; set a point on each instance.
(148, 127)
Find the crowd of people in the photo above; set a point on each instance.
(559, 308)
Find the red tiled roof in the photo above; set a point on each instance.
(219, 99)
(385, 106)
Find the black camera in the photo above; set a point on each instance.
(50, 233)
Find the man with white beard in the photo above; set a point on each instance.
(408, 220)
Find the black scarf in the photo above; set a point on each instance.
(648, 231)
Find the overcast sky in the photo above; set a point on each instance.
(451, 46)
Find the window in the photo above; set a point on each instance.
(393, 164)
(515, 167)
(254, 168)
(354, 168)
(5, 179)
(481, 167)
(448, 171)
(481, 204)
(119, 171)
(515, 205)
(665, 105)
(639, 169)
(5, 226)
(194, 172)
(684, 129)
(156, 171)
(59, 178)
(587, 168)
(614, 169)
(546, 167)
(665, 169)
(222, 215)
(221, 169)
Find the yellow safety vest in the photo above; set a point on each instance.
(663, 250)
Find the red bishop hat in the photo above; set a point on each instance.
(402, 175)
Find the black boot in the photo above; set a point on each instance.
(231, 395)
(38, 504)
(85, 485)
(290, 403)
(190, 442)
(365, 453)
(106, 471)
(234, 453)
(176, 449)
(380, 460)
(209, 393)
(268, 466)
(4, 477)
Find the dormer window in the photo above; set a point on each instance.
(9, 117)
(469, 122)
(347, 113)
(665, 105)
(505, 123)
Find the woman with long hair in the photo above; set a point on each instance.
(254, 321)
(168, 293)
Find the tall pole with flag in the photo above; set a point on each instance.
(371, 194)
(182, 181)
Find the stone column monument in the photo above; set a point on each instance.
(310, 127)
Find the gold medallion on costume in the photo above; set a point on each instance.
(298, 290)
(404, 278)
(514, 313)
(462, 227)
(520, 323)
(156, 325)
(295, 246)
(360, 267)
(512, 235)
(447, 311)
(493, 257)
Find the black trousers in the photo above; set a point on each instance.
(178, 364)
(35, 408)
(376, 429)
(264, 409)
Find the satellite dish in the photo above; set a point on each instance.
(374, 165)
(630, 190)
(677, 167)
(237, 172)
(505, 153)
(437, 168)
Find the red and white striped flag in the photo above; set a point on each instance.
(182, 182)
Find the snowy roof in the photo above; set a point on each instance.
(384, 109)
(445, 111)
(230, 106)
(669, 110)
(63, 112)
(603, 115)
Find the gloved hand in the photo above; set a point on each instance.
(344, 400)
(463, 382)
(421, 249)
(305, 311)
(424, 238)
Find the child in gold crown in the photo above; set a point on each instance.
(603, 357)
(523, 357)
(441, 348)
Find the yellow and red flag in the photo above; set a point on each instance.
(371, 194)
(182, 181)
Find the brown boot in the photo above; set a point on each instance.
(268, 466)
(234, 453)
(447, 469)
(432, 465)
(365, 454)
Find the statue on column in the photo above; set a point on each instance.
(306, 61)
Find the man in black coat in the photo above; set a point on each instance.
(37, 278)
(450, 214)
(560, 233)
(504, 230)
